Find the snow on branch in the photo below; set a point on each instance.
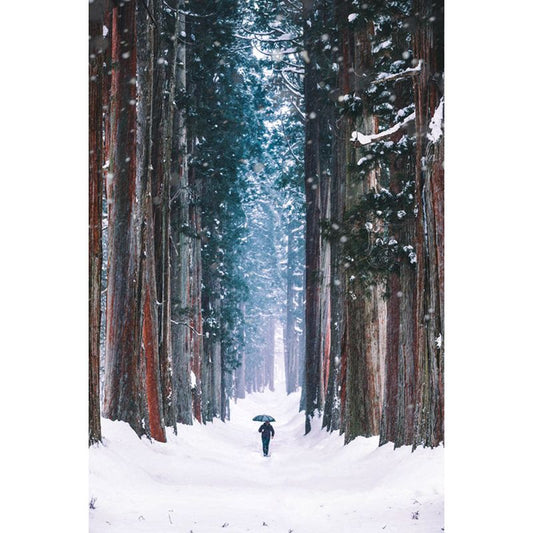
(294, 70)
(409, 72)
(270, 37)
(300, 112)
(294, 5)
(294, 90)
(251, 37)
(291, 150)
(435, 125)
(256, 34)
(287, 64)
(286, 37)
(362, 139)
(188, 13)
(277, 55)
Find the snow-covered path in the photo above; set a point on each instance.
(215, 478)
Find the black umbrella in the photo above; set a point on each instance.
(263, 418)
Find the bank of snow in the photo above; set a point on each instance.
(214, 478)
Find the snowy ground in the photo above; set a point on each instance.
(214, 478)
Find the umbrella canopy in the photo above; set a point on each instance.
(263, 418)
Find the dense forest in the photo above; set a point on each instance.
(264, 164)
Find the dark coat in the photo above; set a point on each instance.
(266, 429)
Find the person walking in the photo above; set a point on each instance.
(266, 430)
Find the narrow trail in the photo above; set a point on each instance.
(215, 478)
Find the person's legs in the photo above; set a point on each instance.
(265, 446)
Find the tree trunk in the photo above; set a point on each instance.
(150, 344)
(291, 335)
(96, 81)
(124, 397)
(163, 94)
(332, 406)
(196, 293)
(268, 354)
(366, 311)
(313, 374)
(428, 46)
(212, 363)
(240, 371)
(180, 257)
(216, 354)
(399, 388)
(207, 375)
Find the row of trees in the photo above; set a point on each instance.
(273, 259)
(367, 80)
(181, 228)
(340, 127)
(374, 190)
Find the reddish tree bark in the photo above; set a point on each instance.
(150, 344)
(196, 293)
(160, 160)
(365, 318)
(399, 388)
(312, 173)
(153, 391)
(428, 47)
(150, 348)
(124, 388)
(335, 396)
(96, 75)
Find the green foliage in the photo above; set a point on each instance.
(219, 105)
(238, 154)
(369, 232)
(370, 250)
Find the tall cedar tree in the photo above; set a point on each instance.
(96, 75)
(132, 387)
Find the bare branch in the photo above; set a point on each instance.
(300, 112)
(286, 137)
(149, 13)
(185, 324)
(283, 61)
